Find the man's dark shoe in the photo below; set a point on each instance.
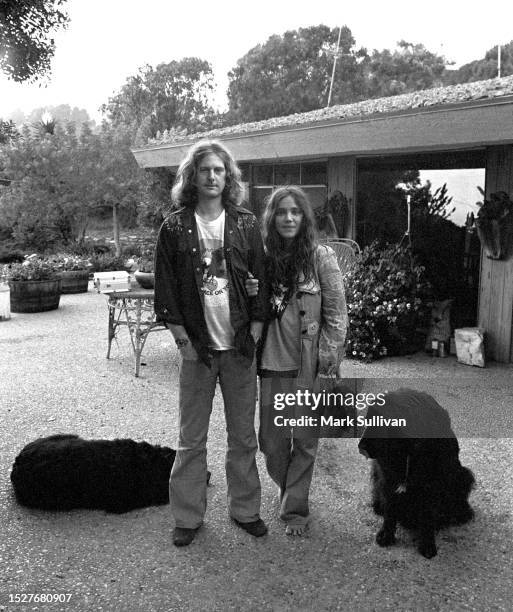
(182, 536)
(256, 528)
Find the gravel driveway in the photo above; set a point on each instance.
(54, 378)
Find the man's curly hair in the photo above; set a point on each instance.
(185, 193)
(285, 265)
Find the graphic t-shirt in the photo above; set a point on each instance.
(282, 346)
(215, 282)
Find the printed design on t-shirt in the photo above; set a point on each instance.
(279, 299)
(215, 276)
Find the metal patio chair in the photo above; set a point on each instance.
(346, 250)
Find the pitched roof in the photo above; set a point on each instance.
(439, 96)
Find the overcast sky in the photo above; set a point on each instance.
(107, 40)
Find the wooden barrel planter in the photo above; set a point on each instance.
(74, 281)
(35, 296)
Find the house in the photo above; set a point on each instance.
(462, 126)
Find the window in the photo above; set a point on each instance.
(314, 174)
(286, 174)
(311, 176)
(263, 175)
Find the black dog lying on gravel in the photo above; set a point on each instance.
(417, 478)
(64, 471)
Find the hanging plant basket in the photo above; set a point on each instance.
(74, 281)
(35, 296)
(494, 223)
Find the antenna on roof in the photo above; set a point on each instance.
(335, 57)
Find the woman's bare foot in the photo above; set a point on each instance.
(295, 530)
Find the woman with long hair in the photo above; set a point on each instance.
(303, 340)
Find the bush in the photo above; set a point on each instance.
(88, 248)
(104, 262)
(387, 299)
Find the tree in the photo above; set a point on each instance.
(409, 68)
(485, 68)
(63, 113)
(382, 212)
(26, 48)
(8, 131)
(59, 180)
(156, 202)
(35, 205)
(177, 94)
(437, 241)
(291, 73)
(119, 182)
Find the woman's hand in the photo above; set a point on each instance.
(328, 371)
(251, 285)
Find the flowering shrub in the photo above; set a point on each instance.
(67, 262)
(33, 268)
(387, 300)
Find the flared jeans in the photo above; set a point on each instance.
(188, 480)
(289, 453)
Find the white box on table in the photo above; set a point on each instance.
(106, 282)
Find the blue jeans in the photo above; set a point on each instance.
(187, 485)
(289, 456)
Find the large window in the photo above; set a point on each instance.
(264, 178)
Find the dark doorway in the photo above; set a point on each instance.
(442, 190)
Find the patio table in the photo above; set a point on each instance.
(133, 309)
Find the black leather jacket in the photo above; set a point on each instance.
(178, 277)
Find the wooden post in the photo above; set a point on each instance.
(496, 278)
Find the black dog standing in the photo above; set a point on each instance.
(417, 478)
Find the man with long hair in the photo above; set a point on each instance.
(205, 251)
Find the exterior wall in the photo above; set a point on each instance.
(496, 279)
(342, 176)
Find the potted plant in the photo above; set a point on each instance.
(494, 224)
(144, 274)
(34, 284)
(73, 271)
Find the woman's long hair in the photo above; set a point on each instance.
(286, 264)
(185, 193)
